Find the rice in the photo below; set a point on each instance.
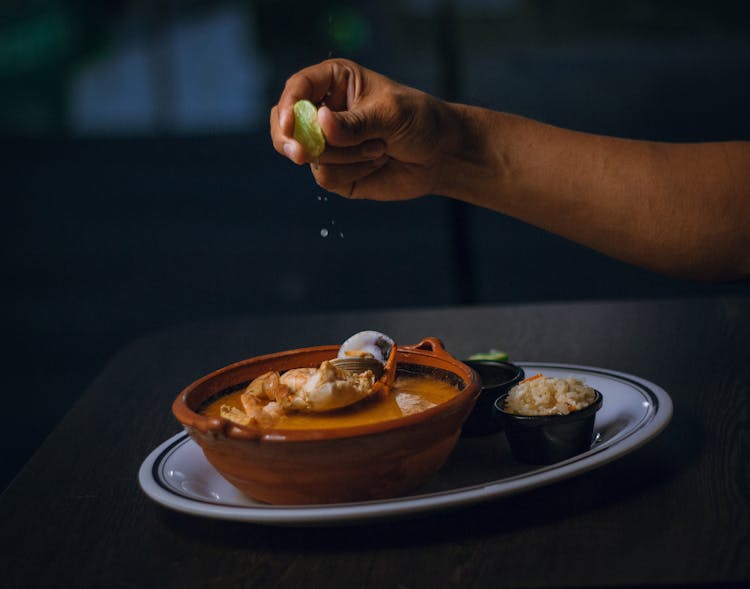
(544, 395)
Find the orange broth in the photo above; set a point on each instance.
(373, 410)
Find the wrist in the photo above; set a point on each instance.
(472, 166)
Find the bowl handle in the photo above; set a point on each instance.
(431, 344)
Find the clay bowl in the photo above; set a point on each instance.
(373, 461)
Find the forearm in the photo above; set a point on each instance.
(674, 208)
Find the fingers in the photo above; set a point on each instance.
(312, 84)
(363, 152)
(355, 133)
(284, 143)
(335, 82)
(342, 179)
(327, 81)
(351, 127)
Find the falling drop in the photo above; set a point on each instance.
(341, 234)
(324, 232)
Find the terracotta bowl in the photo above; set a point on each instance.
(373, 461)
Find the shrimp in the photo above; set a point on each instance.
(263, 398)
(310, 390)
(315, 390)
(329, 388)
(296, 378)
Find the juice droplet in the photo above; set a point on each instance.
(341, 234)
(324, 232)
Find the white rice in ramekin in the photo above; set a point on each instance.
(544, 395)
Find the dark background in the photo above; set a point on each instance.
(141, 190)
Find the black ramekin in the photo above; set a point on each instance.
(545, 439)
(497, 378)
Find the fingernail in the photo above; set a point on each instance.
(288, 149)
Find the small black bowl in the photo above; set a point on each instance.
(545, 439)
(497, 378)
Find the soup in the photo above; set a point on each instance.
(410, 393)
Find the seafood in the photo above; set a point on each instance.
(340, 382)
(367, 344)
(410, 404)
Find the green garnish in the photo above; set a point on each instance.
(493, 355)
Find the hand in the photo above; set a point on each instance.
(383, 139)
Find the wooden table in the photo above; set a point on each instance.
(674, 512)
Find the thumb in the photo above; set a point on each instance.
(347, 128)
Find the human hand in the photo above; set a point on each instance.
(383, 139)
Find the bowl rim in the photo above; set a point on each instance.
(582, 413)
(518, 372)
(428, 347)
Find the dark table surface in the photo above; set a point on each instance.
(675, 512)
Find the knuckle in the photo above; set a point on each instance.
(357, 123)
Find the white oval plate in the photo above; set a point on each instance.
(177, 475)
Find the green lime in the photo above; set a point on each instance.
(307, 131)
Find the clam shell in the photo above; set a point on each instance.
(374, 343)
(358, 365)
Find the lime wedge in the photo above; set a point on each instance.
(493, 355)
(306, 129)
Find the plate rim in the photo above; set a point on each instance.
(646, 429)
